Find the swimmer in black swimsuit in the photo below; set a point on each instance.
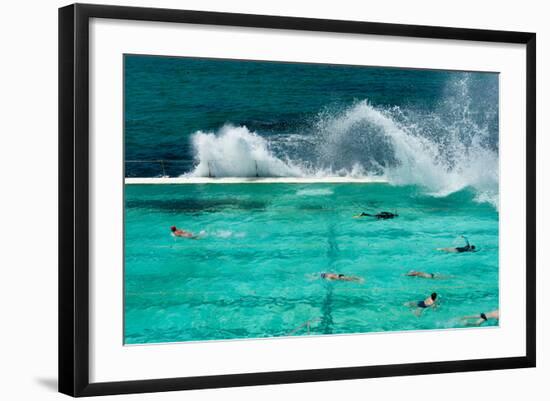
(421, 305)
(340, 277)
(378, 216)
(478, 320)
(460, 249)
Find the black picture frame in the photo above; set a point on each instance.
(74, 198)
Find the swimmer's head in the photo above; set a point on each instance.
(473, 247)
(433, 296)
(173, 228)
(340, 275)
(323, 275)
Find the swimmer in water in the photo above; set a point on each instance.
(478, 320)
(425, 304)
(378, 216)
(414, 273)
(436, 276)
(340, 277)
(176, 232)
(460, 249)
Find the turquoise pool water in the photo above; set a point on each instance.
(255, 271)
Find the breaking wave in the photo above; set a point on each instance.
(442, 151)
(237, 152)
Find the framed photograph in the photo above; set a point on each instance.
(250, 199)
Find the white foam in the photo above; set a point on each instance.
(315, 192)
(238, 152)
(229, 234)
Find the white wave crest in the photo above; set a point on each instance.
(238, 152)
(440, 168)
